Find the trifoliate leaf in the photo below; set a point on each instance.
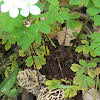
(71, 92)
(84, 82)
(39, 61)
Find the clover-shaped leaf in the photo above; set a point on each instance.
(75, 67)
(53, 84)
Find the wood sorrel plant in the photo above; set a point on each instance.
(28, 32)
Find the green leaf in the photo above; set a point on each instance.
(90, 82)
(91, 73)
(83, 62)
(53, 2)
(79, 49)
(13, 57)
(7, 70)
(96, 60)
(97, 51)
(53, 87)
(37, 38)
(91, 65)
(75, 2)
(97, 3)
(8, 83)
(7, 46)
(40, 5)
(96, 19)
(25, 37)
(52, 10)
(21, 53)
(3, 40)
(12, 93)
(74, 15)
(9, 24)
(86, 50)
(75, 34)
(49, 82)
(42, 51)
(85, 42)
(93, 11)
(95, 44)
(81, 71)
(73, 24)
(92, 53)
(75, 67)
(29, 61)
(84, 82)
(53, 84)
(79, 2)
(71, 92)
(61, 16)
(51, 18)
(43, 27)
(66, 81)
(87, 3)
(95, 36)
(97, 71)
(39, 61)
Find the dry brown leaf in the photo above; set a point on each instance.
(91, 94)
(69, 36)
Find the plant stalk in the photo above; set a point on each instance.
(34, 64)
(80, 33)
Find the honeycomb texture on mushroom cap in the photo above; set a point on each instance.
(48, 94)
(28, 80)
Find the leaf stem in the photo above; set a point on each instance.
(34, 64)
(44, 38)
